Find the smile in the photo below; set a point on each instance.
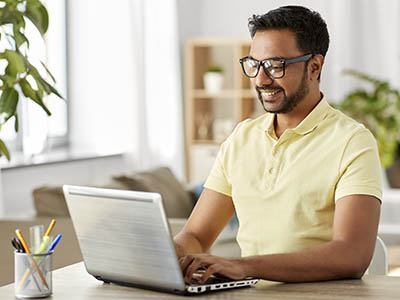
(270, 93)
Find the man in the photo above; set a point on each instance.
(304, 179)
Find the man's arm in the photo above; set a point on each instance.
(347, 256)
(210, 215)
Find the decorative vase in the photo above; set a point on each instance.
(213, 81)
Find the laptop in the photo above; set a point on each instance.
(125, 239)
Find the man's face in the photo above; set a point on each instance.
(279, 95)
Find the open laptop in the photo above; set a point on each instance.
(124, 237)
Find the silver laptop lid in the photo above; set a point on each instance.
(124, 236)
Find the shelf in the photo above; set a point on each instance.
(211, 117)
(205, 142)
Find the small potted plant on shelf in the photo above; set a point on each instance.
(213, 79)
(379, 110)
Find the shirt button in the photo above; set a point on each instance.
(271, 170)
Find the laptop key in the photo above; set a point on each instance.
(213, 279)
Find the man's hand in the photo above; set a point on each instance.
(228, 267)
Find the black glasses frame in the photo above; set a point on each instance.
(284, 62)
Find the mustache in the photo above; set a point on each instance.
(269, 88)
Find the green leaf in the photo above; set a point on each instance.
(4, 150)
(8, 80)
(48, 72)
(36, 96)
(16, 124)
(37, 13)
(19, 37)
(15, 62)
(49, 88)
(8, 103)
(9, 13)
(27, 89)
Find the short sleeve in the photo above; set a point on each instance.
(218, 180)
(360, 169)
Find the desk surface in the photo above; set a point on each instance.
(73, 282)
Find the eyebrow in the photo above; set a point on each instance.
(270, 58)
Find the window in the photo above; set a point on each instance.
(38, 132)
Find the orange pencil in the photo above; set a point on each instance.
(26, 248)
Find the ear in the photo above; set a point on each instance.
(315, 66)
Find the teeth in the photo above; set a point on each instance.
(271, 93)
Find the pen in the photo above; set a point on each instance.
(26, 248)
(16, 246)
(54, 243)
(46, 238)
(19, 245)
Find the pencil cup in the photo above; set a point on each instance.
(33, 277)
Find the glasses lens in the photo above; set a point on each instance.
(250, 67)
(274, 68)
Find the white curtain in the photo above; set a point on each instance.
(365, 36)
(125, 81)
(158, 128)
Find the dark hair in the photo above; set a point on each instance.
(311, 31)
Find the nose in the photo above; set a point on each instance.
(262, 79)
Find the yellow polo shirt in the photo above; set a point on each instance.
(284, 190)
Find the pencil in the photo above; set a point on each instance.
(52, 223)
(28, 251)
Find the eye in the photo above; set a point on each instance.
(251, 63)
(275, 65)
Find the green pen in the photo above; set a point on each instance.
(46, 238)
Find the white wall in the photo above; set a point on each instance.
(18, 183)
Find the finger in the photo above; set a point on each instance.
(185, 262)
(211, 270)
(196, 264)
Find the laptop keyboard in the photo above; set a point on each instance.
(213, 279)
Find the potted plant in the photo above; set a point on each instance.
(379, 110)
(20, 75)
(213, 79)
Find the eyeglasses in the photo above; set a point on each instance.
(273, 67)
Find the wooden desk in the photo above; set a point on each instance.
(73, 282)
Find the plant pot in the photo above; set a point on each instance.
(213, 82)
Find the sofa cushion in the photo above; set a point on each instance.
(177, 201)
(50, 201)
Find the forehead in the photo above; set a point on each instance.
(274, 43)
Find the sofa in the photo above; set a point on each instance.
(49, 203)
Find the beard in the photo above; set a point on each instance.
(289, 102)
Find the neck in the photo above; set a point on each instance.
(298, 114)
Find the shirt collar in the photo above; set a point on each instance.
(309, 123)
